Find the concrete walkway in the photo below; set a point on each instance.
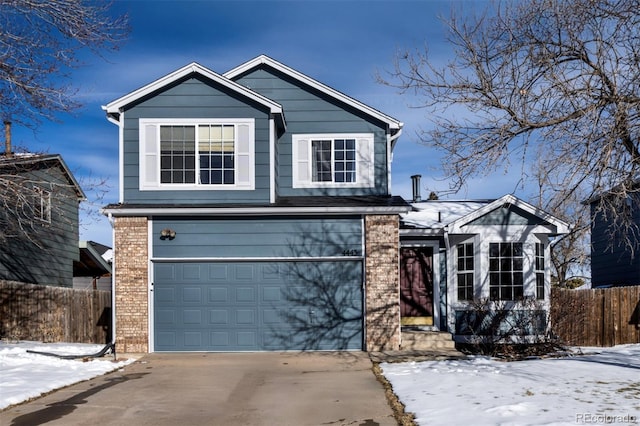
(318, 388)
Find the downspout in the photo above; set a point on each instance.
(447, 246)
(272, 160)
(113, 285)
(391, 143)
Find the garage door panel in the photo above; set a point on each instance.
(218, 295)
(218, 317)
(166, 339)
(243, 306)
(192, 340)
(245, 294)
(192, 295)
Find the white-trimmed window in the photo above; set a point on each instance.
(465, 267)
(197, 154)
(539, 270)
(506, 276)
(333, 160)
(42, 204)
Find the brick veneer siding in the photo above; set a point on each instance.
(382, 263)
(130, 283)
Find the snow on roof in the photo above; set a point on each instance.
(439, 213)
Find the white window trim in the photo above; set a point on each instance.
(149, 156)
(302, 160)
(42, 204)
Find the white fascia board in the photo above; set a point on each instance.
(65, 169)
(115, 107)
(456, 226)
(428, 232)
(263, 59)
(248, 211)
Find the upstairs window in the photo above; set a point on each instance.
(197, 154)
(42, 204)
(333, 160)
(506, 280)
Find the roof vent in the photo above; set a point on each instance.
(416, 188)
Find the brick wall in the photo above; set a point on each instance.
(130, 284)
(382, 261)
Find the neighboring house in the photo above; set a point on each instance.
(459, 258)
(93, 269)
(615, 250)
(255, 213)
(39, 219)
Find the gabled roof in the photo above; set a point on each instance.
(7, 162)
(451, 216)
(265, 60)
(114, 108)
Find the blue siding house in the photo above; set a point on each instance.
(615, 252)
(255, 213)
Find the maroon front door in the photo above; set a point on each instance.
(416, 286)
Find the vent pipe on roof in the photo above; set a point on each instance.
(7, 138)
(416, 188)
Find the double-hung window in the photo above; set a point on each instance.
(197, 154)
(539, 271)
(332, 160)
(465, 266)
(42, 204)
(506, 280)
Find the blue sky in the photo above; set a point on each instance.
(340, 43)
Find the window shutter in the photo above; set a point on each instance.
(365, 165)
(149, 152)
(244, 155)
(301, 163)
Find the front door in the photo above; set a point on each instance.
(416, 286)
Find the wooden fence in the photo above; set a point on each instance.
(598, 317)
(54, 314)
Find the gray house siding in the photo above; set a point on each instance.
(309, 111)
(262, 237)
(508, 215)
(612, 263)
(48, 259)
(195, 98)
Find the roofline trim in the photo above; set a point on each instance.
(247, 211)
(264, 59)
(36, 158)
(114, 107)
(561, 226)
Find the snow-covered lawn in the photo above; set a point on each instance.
(593, 386)
(25, 375)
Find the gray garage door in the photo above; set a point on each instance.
(258, 306)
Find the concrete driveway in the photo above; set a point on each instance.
(309, 388)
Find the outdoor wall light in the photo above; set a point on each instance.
(167, 234)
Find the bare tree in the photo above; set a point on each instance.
(40, 43)
(551, 85)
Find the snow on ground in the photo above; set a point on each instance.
(593, 386)
(25, 375)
